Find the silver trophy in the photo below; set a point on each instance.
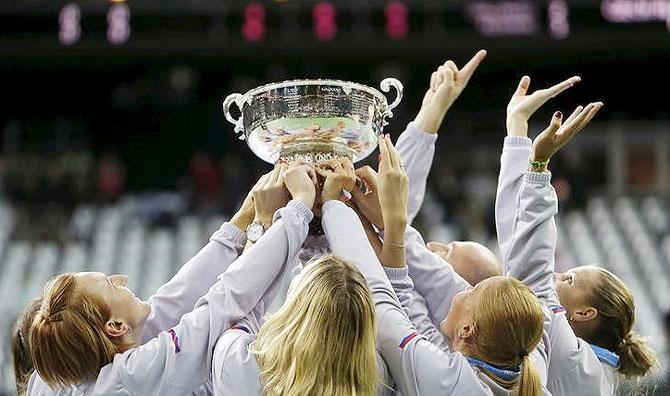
(312, 120)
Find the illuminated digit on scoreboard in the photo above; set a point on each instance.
(70, 27)
(324, 17)
(559, 25)
(118, 24)
(396, 20)
(253, 28)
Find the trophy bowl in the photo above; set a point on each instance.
(312, 120)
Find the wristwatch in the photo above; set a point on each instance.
(254, 231)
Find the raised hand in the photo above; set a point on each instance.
(245, 215)
(300, 181)
(559, 133)
(367, 199)
(393, 186)
(522, 106)
(446, 84)
(270, 195)
(340, 179)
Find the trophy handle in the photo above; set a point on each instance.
(386, 85)
(230, 99)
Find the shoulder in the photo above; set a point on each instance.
(37, 387)
(234, 348)
(235, 369)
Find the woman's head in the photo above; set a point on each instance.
(322, 340)
(601, 310)
(498, 308)
(84, 319)
(23, 364)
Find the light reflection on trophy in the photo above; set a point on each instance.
(312, 120)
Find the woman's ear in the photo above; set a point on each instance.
(584, 314)
(116, 328)
(466, 332)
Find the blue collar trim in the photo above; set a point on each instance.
(605, 356)
(504, 374)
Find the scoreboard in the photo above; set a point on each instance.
(292, 24)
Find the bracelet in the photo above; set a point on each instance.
(538, 164)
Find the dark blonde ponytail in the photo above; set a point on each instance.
(614, 328)
(530, 383)
(635, 356)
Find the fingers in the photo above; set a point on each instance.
(555, 123)
(395, 156)
(390, 153)
(384, 156)
(275, 174)
(434, 80)
(369, 178)
(581, 120)
(469, 69)
(562, 86)
(450, 65)
(574, 114)
(523, 86)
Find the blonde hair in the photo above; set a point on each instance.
(322, 340)
(68, 344)
(508, 326)
(615, 320)
(23, 364)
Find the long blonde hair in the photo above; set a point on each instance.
(68, 344)
(322, 340)
(614, 328)
(508, 326)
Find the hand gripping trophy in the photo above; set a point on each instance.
(312, 120)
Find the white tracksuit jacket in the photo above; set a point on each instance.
(434, 280)
(178, 361)
(526, 204)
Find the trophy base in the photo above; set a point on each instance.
(315, 152)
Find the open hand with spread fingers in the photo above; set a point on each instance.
(446, 84)
(559, 133)
(523, 105)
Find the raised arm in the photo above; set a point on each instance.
(178, 296)
(433, 278)
(179, 360)
(530, 255)
(516, 152)
(417, 366)
(416, 144)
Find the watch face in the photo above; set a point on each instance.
(254, 231)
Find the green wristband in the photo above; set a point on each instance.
(539, 164)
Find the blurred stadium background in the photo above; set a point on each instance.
(115, 155)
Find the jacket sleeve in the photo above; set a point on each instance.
(513, 164)
(417, 366)
(415, 306)
(179, 294)
(179, 360)
(530, 256)
(416, 149)
(434, 278)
